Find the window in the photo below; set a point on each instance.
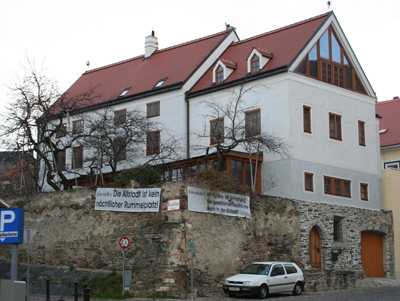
(290, 269)
(61, 131)
(255, 64)
(153, 143)
(361, 133)
(308, 181)
(77, 126)
(219, 74)
(120, 148)
(237, 170)
(327, 61)
(335, 126)
(160, 82)
(119, 117)
(124, 92)
(217, 131)
(337, 187)
(191, 173)
(364, 191)
(61, 160)
(395, 165)
(153, 109)
(241, 171)
(307, 119)
(253, 123)
(277, 270)
(337, 228)
(176, 174)
(77, 157)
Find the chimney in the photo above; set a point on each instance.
(150, 45)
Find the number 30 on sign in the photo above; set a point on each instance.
(124, 242)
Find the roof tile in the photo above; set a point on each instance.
(390, 112)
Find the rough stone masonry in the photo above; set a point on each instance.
(70, 233)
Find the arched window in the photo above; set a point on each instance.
(219, 75)
(255, 64)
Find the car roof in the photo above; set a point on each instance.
(272, 262)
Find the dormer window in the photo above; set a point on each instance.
(257, 59)
(160, 82)
(219, 74)
(255, 64)
(124, 92)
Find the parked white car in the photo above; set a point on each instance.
(263, 278)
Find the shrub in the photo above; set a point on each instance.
(143, 174)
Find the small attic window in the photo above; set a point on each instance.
(124, 92)
(382, 131)
(160, 82)
(219, 74)
(255, 64)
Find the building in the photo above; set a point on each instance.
(389, 133)
(16, 173)
(301, 84)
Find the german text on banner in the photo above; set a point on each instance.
(203, 200)
(128, 200)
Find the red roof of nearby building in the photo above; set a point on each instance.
(285, 44)
(390, 112)
(175, 64)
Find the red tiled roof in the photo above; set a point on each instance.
(176, 64)
(390, 112)
(285, 43)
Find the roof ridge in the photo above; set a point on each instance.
(284, 28)
(157, 51)
(387, 101)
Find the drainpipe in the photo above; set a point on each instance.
(187, 126)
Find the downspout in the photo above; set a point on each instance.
(187, 126)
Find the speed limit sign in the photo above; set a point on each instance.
(124, 242)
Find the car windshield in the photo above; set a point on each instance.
(257, 269)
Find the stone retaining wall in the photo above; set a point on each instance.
(70, 233)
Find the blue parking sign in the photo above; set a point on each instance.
(12, 226)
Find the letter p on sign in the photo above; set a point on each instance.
(5, 220)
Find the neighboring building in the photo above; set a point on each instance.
(16, 173)
(389, 133)
(304, 85)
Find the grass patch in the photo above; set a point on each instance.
(201, 295)
(107, 287)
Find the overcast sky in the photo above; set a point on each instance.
(66, 34)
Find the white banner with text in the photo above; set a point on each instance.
(128, 200)
(203, 200)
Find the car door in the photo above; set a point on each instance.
(278, 279)
(292, 275)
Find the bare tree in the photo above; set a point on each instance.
(232, 126)
(119, 139)
(34, 119)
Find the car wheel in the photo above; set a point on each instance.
(298, 288)
(263, 292)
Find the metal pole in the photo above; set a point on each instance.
(191, 272)
(47, 289)
(123, 270)
(14, 262)
(28, 241)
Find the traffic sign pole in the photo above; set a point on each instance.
(124, 242)
(123, 270)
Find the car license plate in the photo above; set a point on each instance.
(236, 289)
